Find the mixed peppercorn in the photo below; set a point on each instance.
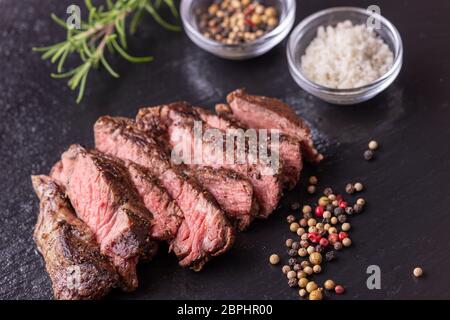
(322, 231)
(237, 21)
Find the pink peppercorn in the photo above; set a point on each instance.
(319, 211)
(314, 237)
(339, 289)
(333, 238)
(323, 242)
(343, 235)
(342, 204)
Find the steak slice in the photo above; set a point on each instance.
(263, 112)
(71, 253)
(205, 231)
(104, 197)
(233, 192)
(289, 148)
(166, 213)
(175, 125)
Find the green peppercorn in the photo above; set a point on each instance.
(323, 201)
(311, 286)
(294, 226)
(303, 282)
(317, 269)
(316, 295)
(305, 263)
(308, 270)
(302, 293)
(291, 274)
(301, 274)
(300, 231)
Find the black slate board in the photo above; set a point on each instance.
(406, 223)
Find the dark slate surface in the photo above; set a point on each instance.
(407, 221)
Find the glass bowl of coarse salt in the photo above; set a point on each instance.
(345, 55)
(228, 19)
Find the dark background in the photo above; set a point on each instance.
(407, 221)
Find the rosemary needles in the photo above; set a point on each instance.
(105, 28)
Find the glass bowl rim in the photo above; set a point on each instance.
(398, 50)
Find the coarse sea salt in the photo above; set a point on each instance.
(346, 56)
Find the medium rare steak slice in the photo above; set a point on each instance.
(166, 213)
(103, 196)
(71, 253)
(175, 123)
(264, 112)
(233, 192)
(205, 231)
(289, 147)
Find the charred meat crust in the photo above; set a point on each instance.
(265, 112)
(289, 147)
(176, 121)
(205, 231)
(72, 257)
(104, 197)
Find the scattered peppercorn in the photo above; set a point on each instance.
(368, 155)
(302, 282)
(347, 242)
(339, 289)
(311, 189)
(303, 222)
(291, 274)
(302, 252)
(301, 274)
(317, 269)
(359, 187)
(349, 211)
(323, 201)
(357, 208)
(235, 22)
(306, 209)
(338, 211)
(329, 284)
(308, 270)
(286, 269)
(313, 180)
(311, 286)
(418, 272)
(297, 267)
(316, 295)
(342, 218)
(330, 255)
(274, 259)
(294, 226)
(346, 226)
(328, 191)
(373, 145)
(315, 258)
(349, 188)
(292, 261)
(302, 293)
(289, 243)
(296, 245)
(292, 252)
(337, 246)
(290, 218)
(361, 201)
(293, 282)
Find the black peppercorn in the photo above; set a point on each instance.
(337, 246)
(297, 267)
(295, 206)
(307, 215)
(349, 211)
(338, 211)
(290, 219)
(319, 248)
(293, 282)
(357, 208)
(292, 252)
(328, 191)
(330, 255)
(342, 218)
(292, 261)
(368, 155)
(296, 245)
(330, 207)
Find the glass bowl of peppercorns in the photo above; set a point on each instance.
(237, 29)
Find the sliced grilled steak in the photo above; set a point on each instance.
(263, 112)
(233, 192)
(71, 253)
(176, 124)
(104, 197)
(289, 148)
(166, 213)
(205, 231)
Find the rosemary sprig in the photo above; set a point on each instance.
(104, 28)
